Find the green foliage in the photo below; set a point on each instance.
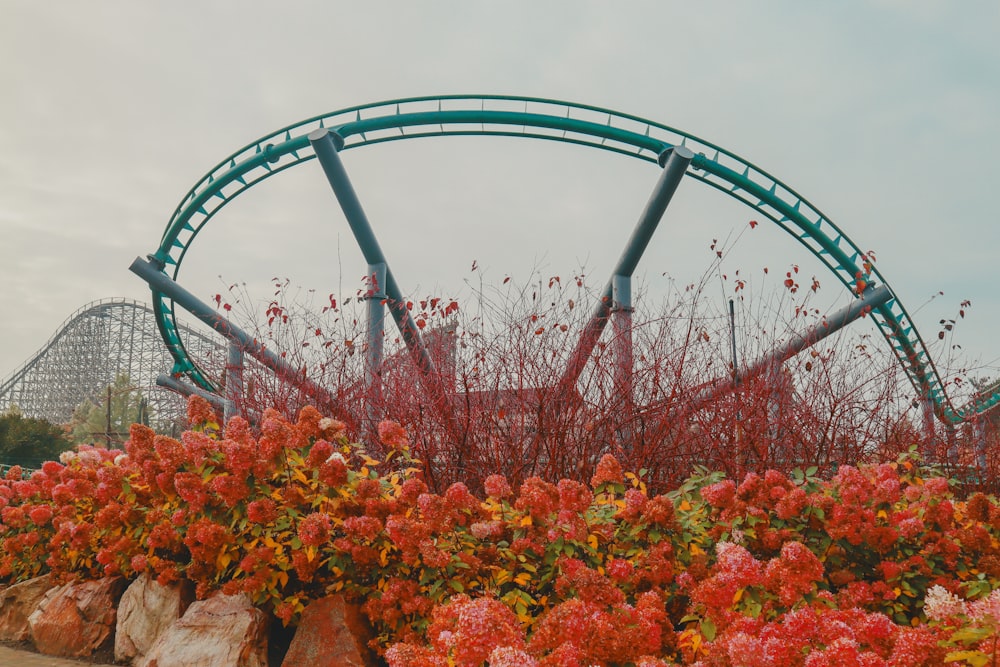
(29, 442)
(90, 423)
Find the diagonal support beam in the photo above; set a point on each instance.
(327, 145)
(675, 162)
(184, 389)
(162, 283)
(872, 298)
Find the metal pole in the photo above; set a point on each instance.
(234, 382)
(930, 436)
(159, 281)
(622, 325)
(622, 290)
(675, 162)
(979, 436)
(376, 329)
(732, 336)
(952, 440)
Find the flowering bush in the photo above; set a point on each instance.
(878, 565)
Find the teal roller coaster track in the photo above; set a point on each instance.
(536, 118)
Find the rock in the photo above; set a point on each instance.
(332, 633)
(76, 619)
(222, 631)
(16, 604)
(145, 611)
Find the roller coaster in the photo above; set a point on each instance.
(678, 154)
(111, 337)
(96, 344)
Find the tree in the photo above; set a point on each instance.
(106, 418)
(29, 442)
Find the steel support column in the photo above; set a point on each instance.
(234, 381)
(376, 329)
(622, 326)
(930, 433)
(675, 162)
(979, 438)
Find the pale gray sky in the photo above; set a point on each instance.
(881, 113)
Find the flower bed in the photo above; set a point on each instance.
(879, 565)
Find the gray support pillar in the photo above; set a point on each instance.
(952, 439)
(622, 326)
(930, 436)
(376, 329)
(624, 356)
(234, 381)
(979, 439)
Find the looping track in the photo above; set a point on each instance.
(557, 121)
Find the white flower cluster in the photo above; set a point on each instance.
(940, 605)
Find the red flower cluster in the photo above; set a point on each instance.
(774, 569)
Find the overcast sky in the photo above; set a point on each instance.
(884, 114)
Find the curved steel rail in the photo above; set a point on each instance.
(558, 121)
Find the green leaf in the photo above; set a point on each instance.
(708, 629)
(971, 634)
(975, 658)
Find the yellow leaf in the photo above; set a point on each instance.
(224, 560)
(738, 596)
(882, 514)
(526, 520)
(975, 658)
(695, 549)
(283, 578)
(684, 506)
(522, 579)
(592, 541)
